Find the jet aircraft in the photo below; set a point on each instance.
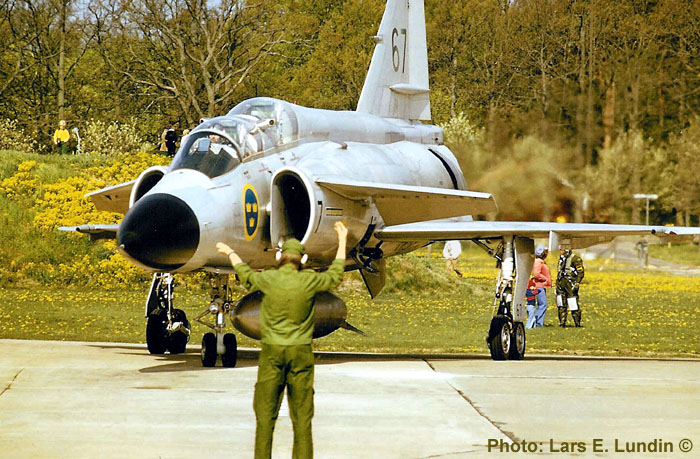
(270, 170)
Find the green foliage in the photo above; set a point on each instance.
(412, 273)
(13, 137)
(679, 253)
(113, 138)
(558, 108)
(681, 173)
(40, 193)
(331, 75)
(468, 143)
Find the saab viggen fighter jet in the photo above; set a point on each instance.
(269, 170)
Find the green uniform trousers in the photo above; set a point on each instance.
(279, 367)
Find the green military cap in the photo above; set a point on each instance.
(293, 246)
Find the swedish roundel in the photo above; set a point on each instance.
(251, 211)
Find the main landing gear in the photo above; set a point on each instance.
(218, 343)
(167, 328)
(506, 337)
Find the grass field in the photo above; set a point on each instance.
(421, 310)
(625, 312)
(676, 253)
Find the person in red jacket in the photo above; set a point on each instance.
(543, 281)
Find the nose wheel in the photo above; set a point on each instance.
(211, 350)
(218, 343)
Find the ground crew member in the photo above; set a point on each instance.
(569, 276)
(451, 252)
(543, 281)
(61, 137)
(287, 325)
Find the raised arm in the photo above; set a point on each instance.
(342, 232)
(224, 249)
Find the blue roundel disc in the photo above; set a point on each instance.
(251, 211)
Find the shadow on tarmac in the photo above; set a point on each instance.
(248, 357)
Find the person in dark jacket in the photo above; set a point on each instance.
(171, 141)
(570, 273)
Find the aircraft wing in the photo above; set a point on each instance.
(95, 231)
(114, 198)
(573, 235)
(400, 204)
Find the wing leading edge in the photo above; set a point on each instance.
(114, 198)
(571, 235)
(400, 204)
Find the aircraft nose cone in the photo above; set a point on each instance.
(160, 231)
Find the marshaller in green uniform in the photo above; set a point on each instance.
(287, 326)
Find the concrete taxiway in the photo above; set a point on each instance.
(84, 400)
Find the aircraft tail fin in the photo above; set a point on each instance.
(397, 83)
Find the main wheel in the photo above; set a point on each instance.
(228, 359)
(499, 339)
(156, 333)
(517, 342)
(209, 350)
(177, 341)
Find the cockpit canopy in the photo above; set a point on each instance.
(279, 124)
(219, 144)
(207, 151)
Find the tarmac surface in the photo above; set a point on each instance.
(86, 400)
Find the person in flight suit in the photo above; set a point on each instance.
(287, 326)
(569, 276)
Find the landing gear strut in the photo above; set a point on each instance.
(167, 328)
(506, 337)
(218, 343)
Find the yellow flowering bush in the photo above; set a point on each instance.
(23, 183)
(41, 199)
(115, 269)
(64, 203)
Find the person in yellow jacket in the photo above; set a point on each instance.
(61, 137)
(287, 325)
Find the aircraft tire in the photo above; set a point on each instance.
(177, 342)
(209, 350)
(228, 359)
(517, 342)
(499, 342)
(156, 334)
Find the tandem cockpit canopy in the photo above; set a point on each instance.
(274, 121)
(219, 144)
(209, 151)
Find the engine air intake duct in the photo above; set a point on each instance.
(291, 200)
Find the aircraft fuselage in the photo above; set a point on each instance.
(272, 192)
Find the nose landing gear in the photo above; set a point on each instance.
(218, 343)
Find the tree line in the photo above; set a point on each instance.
(583, 77)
